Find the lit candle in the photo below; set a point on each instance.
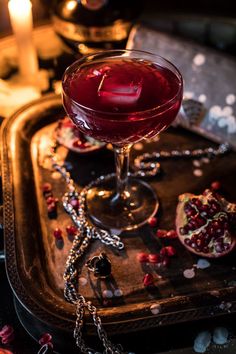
(21, 20)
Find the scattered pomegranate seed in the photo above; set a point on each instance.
(142, 257)
(171, 234)
(52, 207)
(45, 339)
(216, 185)
(161, 233)
(168, 251)
(7, 334)
(51, 200)
(166, 261)
(57, 233)
(47, 187)
(148, 280)
(152, 221)
(78, 144)
(71, 230)
(154, 258)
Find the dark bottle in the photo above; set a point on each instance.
(90, 25)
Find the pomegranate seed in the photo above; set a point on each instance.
(47, 187)
(7, 334)
(161, 233)
(182, 230)
(200, 243)
(148, 280)
(169, 251)
(193, 245)
(51, 207)
(142, 257)
(191, 212)
(152, 222)
(219, 248)
(166, 261)
(216, 185)
(57, 233)
(187, 241)
(205, 249)
(198, 203)
(51, 200)
(153, 258)
(226, 246)
(6, 331)
(45, 339)
(71, 230)
(163, 252)
(171, 234)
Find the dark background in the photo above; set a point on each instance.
(158, 7)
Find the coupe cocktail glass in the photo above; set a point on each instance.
(121, 97)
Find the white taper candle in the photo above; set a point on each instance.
(21, 20)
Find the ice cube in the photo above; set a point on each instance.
(118, 90)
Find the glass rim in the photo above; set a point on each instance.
(120, 114)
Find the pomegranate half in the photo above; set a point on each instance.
(206, 224)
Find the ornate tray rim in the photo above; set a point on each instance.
(174, 310)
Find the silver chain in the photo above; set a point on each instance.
(81, 242)
(145, 165)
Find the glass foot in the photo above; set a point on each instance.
(107, 210)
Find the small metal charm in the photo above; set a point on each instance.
(100, 266)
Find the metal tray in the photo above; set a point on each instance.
(35, 265)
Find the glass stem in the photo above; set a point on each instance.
(122, 168)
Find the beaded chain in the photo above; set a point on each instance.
(145, 165)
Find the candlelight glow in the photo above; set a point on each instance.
(20, 6)
(71, 5)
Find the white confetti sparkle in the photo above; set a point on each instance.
(230, 99)
(202, 98)
(107, 294)
(155, 309)
(199, 59)
(118, 292)
(198, 172)
(196, 163)
(189, 273)
(205, 160)
(188, 94)
(227, 111)
(203, 263)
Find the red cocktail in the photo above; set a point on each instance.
(121, 97)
